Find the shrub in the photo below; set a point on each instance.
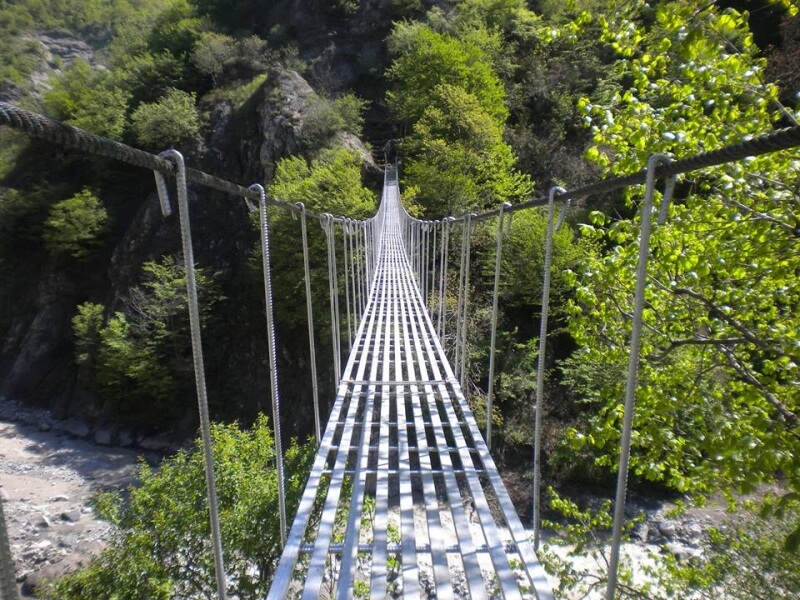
(168, 121)
(90, 100)
(211, 52)
(75, 225)
(160, 546)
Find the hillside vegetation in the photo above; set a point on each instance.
(484, 101)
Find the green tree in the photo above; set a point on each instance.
(138, 361)
(325, 118)
(721, 347)
(522, 279)
(76, 225)
(425, 59)
(716, 405)
(211, 52)
(171, 120)
(456, 156)
(88, 99)
(160, 544)
(508, 16)
(175, 30)
(332, 183)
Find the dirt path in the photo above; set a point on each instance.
(47, 480)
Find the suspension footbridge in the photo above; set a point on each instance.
(402, 440)
(403, 496)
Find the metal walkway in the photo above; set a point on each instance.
(404, 498)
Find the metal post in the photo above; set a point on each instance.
(459, 303)
(310, 316)
(633, 363)
(197, 354)
(440, 329)
(537, 429)
(366, 251)
(346, 267)
(426, 239)
(433, 263)
(493, 342)
(359, 227)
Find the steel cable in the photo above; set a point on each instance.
(633, 361)
(310, 316)
(464, 329)
(346, 268)
(326, 220)
(493, 341)
(197, 355)
(440, 324)
(272, 355)
(539, 410)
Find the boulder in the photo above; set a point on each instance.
(104, 436)
(52, 572)
(667, 528)
(73, 516)
(77, 427)
(158, 443)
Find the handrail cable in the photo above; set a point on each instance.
(346, 270)
(468, 229)
(633, 356)
(495, 307)
(539, 410)
(44, 128)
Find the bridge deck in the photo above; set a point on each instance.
(404, 498)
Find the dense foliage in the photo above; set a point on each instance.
(489, 100)
(75, 225)
(138, 360)
(447, 90)
(717, 403)
(160, 548)
(170, 120)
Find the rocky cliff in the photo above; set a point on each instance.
(241, 143)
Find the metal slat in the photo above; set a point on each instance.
(349, 555)
(410, 564)
(319, 558)
(379, 574)
(441, 571)
(401, 414)
(532, 566)
(469, 558)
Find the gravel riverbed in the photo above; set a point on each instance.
(48, 476)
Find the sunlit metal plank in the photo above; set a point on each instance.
(325, 533)
(472, 570)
